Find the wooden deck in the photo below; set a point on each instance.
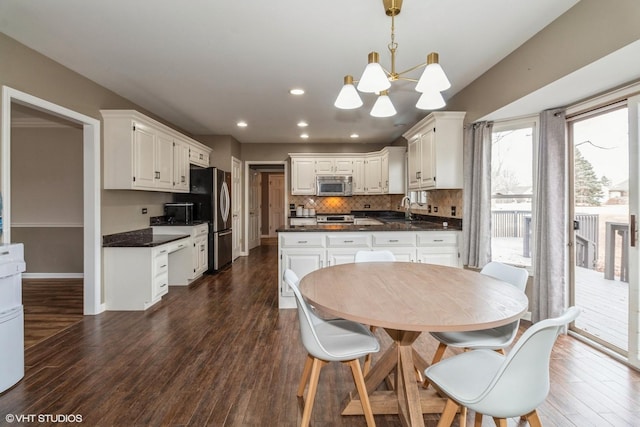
(605, 305)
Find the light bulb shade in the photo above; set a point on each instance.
(348, 97)
(430, 100)
(373, 79)
(383, 106)
(433, 76)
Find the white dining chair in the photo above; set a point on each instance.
(496, 338)
(500, 386)
(334, 340)
(373, 256)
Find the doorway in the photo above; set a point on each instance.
(601, 280)
(90, 186)
(257, 200)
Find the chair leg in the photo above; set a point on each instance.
(358, 379)
(305, 375)
(463, 416)
(436, 358)
(500, 422)
(534, 420)
(449, 413)
(478, 421)
(311, 394)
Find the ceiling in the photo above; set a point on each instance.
(203, 65)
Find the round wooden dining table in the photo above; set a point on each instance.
(407, 299)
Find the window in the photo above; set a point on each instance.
(512, 160)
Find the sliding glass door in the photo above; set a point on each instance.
(604, 275)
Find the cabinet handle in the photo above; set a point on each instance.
(183, 179)
(157, 175)
(164, 251)
(393, 240)
(164, 285)
(163, 265)
(438, 240)
(201, 156)
(302, 241)
(418, 174)
(347, 241)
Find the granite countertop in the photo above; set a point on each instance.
(139, 239)
(389, 223)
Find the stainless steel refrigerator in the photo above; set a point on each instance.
(211, 197)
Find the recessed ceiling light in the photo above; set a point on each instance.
(304, 136)
(242, 124)
(354, 135)
(303, 124)
(296, 91)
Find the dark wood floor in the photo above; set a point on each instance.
(220, 353)
(50, 306)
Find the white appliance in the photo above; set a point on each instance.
(11, 315)
(334, 185)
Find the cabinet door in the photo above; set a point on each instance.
(358, 176)
(144, 155)
(414, 155)
(384, 166)
(302, 262)
(341, 256)
(440, 256)
(343, 166)
(303, 177)
(373, 175)
(203, 255)
(180, 166)
(164, 161)
(324, 166)
(428, 159)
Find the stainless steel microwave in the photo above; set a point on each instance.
(334, 185)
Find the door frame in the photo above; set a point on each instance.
(247, 166)
(632, 94)
(91, 186)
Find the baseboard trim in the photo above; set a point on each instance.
(52, 275)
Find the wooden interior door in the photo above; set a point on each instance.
(276, 203)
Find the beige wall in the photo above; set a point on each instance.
(590, 30)
(46, 197)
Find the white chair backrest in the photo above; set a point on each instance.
(507, 273)
(375, 256)
(522, 383)
(308, 319)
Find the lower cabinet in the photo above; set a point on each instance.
(199, 248)
(304, 252)
(137, 278)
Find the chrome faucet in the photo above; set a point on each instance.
(406, 204)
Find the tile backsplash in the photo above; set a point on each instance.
(439, 202)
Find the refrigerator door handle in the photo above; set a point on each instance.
(224, 201)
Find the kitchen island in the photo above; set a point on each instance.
(306, 248)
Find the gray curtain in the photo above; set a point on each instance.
(477, 195)
(550, 219)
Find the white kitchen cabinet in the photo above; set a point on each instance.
(199, 252)
(439, 248)
(138, 277)
(180, 166)
(359, 176)
(307, 251)
(434, 147)
(303, 176)
(139, 153)
(373, 174)
(334, 166)
(199, 157)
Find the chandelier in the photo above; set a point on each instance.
(376, 79)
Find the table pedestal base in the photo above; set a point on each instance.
(407, 399)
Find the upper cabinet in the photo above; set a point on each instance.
(143, 154)
(434, 151)
(380, 172)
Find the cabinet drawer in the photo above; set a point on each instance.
(342, 240)
(161, 284)
(175, 246)
(302, 240)
(200, 230)
(431, 238)
(394, 239)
